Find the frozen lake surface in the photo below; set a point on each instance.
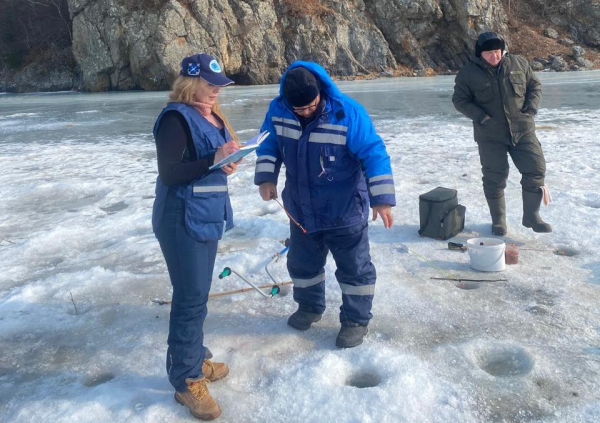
(82, 341)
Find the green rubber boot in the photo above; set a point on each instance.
(498, 212)
(531, 212)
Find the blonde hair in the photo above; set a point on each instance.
(183, 90)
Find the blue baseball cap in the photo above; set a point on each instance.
(206, 67)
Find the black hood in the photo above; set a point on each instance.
(492, 39)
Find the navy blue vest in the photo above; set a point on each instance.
(207, 204)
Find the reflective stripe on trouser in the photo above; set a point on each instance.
(190, 264)
(355, 271)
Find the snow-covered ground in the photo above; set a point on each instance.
(82, 341)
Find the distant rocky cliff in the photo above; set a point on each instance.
(138, 44)
(122, 45)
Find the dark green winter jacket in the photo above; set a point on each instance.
(510, 94)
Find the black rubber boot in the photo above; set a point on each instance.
(498, 212)
(351, 335)
(531, 212)
(302, 320)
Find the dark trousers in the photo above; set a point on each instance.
(190, 265)
(527, 156)
(355, 272)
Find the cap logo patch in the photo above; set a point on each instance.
(193, 69)
(214, 66)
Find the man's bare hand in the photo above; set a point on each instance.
(267, 190)
(385, 211)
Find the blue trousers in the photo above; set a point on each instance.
(355, 271)
(190, 264)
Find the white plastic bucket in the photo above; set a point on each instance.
(487, 254)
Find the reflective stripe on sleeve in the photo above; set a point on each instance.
(265, 167)
(380, 178)
(382, 189)
(266, 157)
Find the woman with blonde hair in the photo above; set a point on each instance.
(191, 210)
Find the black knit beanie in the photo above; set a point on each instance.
(300, 87)
(489, 41)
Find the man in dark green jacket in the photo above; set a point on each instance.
(500, 93)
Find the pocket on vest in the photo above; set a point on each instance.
(205, 213)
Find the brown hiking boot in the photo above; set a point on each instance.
(197, 398)
(214, 371)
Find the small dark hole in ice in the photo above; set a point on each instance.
(537, 310)
(468, 285)
(506, 361)
(566, 251)
(113, 208)
(99, 379)
(364, 380)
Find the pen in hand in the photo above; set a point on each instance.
(225, 150)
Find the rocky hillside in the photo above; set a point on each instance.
(138, 44)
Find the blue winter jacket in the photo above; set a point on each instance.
(207, 204)
(327, 162)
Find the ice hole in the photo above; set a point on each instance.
(505, 361)
(114, 208)
(468, 285)
(99, 379)
(537, 310)
(364, 380)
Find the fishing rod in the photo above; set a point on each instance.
(427, 261)
(449, 276)
(469, 280)
(562, 251)
(288, 214)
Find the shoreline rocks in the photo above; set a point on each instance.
(128, 45)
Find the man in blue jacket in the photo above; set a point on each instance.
(336, 164)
